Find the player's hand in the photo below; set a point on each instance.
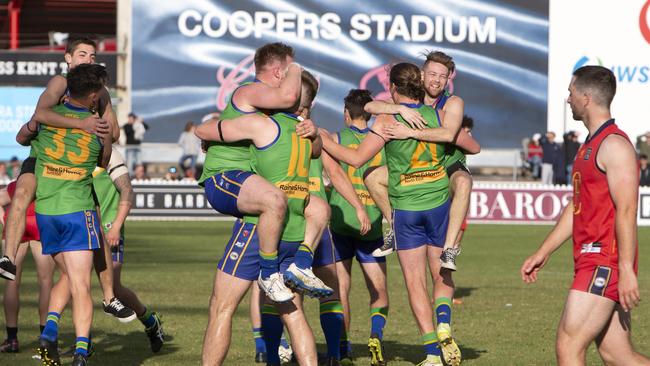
(113, 236)
(412, 117)
(325, 134)
(307, 129)
(531, 267)
(95, 125)
(398, 131)
(628, 289)
(364, 220)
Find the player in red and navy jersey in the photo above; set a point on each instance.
(602, 221)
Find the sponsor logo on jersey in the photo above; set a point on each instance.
(591, 248)
(426, 176)
(61, 172)
(314, 184)
(587, 154)
(298, 190)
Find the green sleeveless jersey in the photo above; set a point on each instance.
(417, 181)
(66, 159)
(224, 156)
(452, 155)
(108, 197)
(285, 163)
(316, 184)
(344, 218)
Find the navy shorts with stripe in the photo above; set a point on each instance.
(70, 232)
(416, 228)
(241, 257)
(348, 247)
(222, 191)
(325, 253)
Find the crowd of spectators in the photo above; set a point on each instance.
(552, 162)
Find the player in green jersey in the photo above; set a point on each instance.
(282, 157)
(418, 192)
(65, 208)
(436, 72)
(112, 187)
(349, 241)
(230, 185)
(78, 51)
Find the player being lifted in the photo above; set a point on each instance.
(418, 191)
(79, 50)
(282, 157)
(436, 72)
(601, 219)
(230, 185)
(65, 210)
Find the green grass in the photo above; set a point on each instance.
(501, 321)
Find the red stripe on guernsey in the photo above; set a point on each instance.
(11, 189)
(594, 233)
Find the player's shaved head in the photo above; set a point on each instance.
(355, 102)
(270, 53)
(598, 82)
(310, 87)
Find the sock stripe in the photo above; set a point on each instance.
(269, 256)
(305, 248)
(333, 306)
(443, 301)
(429, 338)
(379, 311)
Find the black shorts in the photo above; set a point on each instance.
(453, 168)
(29, 166)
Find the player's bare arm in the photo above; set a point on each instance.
(308, 129)
(410, 115)
(107, 148)
(261, 96)
(108, 114)
(257, 128)
(342, 184)
(123, 185)
(368, 148)
(55, 89)
(561, 232)
(618, 159)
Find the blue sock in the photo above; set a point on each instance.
(82, 346)
(304, 256)
(283, 341)
(51, 330)
(378, 321)
(430, 342)
(443, 310)
(331, 320)
(345, 348)
(268, 263)
(272, 329)
(258, 335)
(147, 318)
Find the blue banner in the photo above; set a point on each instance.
(17, 106)
(189, 56)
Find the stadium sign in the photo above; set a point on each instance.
(29, 68)
(172, 200)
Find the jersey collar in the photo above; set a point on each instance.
(412, 105)
(358, 130)
(75, 108)
(600, 129)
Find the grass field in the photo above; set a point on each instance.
(500, 322)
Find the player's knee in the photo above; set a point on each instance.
(609, 358)
(277, 203)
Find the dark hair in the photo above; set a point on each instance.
(599, 81)
(643, 156)
(74, 41)
(85, 79)
(408, 80)
(188, 126)
(271, 52)
(312, 85)
(355, 101)
(468, 122)
(441, 58)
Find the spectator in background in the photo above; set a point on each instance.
(140, 172)
(551, 156)
(191, 146)
(4, 177)
(134, 131)
(644, 179)
(643, 144)
(535, 156)
(571, 146)
(172, 174)
(14, 167)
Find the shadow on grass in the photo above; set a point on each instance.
(461, 292)
(414, 353)
(117, 349)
